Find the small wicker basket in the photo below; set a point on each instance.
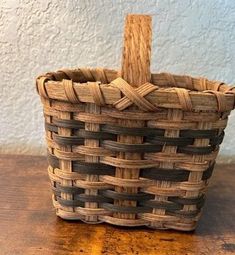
(132, 148)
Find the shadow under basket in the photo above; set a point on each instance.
(159, 177)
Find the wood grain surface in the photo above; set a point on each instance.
(28, 224)
(136, 55)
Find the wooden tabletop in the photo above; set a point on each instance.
(29, 226)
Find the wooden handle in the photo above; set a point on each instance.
(137, 50)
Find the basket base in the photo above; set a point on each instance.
(158, 225)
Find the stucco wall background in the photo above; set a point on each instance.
(193, 37)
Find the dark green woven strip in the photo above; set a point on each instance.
(92, 198)
(170, 209)
(108, 195)
(117, 130)
(53, 161)
(96, 135)
(144, 209)
(103, 196)
(196, 150)
(70, 140)
(143, 206)
(145, 131)
(174, 175)
(155, 146)
(93, 168)
(51, 127)
(76, 124)
(182, 141)
(217, 139)
(122, 147)
(174, 141)
(55, 191)
(198, 201)
(82, 167)
(151, 135)
(126, 196)
(207, 174)
(73, 124)
(143, 199)
(199, 134)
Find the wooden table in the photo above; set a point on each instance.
(28, 224)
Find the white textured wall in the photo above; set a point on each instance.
(194, 37)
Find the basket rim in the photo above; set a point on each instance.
(165, 90)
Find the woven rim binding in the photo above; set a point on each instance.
(104, 87)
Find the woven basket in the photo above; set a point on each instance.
(132, 148)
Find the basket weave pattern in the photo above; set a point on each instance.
(179, 126)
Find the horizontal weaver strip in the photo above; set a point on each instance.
(118, 130)
(142, 198)
(173, 175)
(171, 209)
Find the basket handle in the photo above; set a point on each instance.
(136, 53)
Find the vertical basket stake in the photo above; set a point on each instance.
(136, 71)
